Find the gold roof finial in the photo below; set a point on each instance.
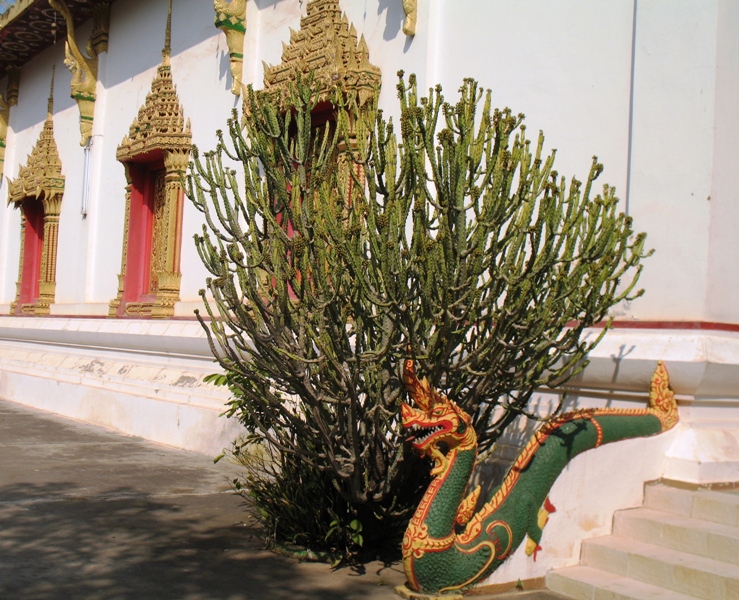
(168, 34)
(50, 104)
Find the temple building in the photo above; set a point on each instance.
(102, 101)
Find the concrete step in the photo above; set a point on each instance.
(585, 583)
(708, 505)
(679, 532)
(680, 572)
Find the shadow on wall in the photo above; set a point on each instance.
(394, 18)
(491, 471)
(137, 34)
(129, 545)
(136, 40)
(262, 4)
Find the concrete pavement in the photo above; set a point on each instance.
(87, 513)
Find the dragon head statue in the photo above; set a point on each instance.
(436, 420)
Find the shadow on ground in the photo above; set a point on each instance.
(87, 514)
(125, 545)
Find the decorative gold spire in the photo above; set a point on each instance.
(50, 102)
(41, 176)
(327, 46)
(160, 123)
(167, 50)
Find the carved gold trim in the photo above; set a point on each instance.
(231, 19)
(116, 302)
(84, 68)
(160, 129)
(18, 283)
(100, 28)
(41, 179)
(327, 46)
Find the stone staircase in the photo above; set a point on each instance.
(681, 545)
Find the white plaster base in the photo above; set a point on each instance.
(704, 373)
(704, 453)
(87, 309)
(142, 378)
(186, 308)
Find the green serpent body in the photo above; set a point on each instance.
(436, 557)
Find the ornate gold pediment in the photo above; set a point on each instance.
(160, 124)
(4, 118)
(327, 46)
(6, 101)
(41, 176)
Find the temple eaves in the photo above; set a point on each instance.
(28, 27)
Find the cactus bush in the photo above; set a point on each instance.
(335, 251)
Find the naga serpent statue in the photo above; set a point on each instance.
(448, 545)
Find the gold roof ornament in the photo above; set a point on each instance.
(100, 28)
(84, 68)
(41, 177)
(4, 118)
(327, 46)
(410, 8)
(14, 82)
(10, 98)
(160, 124)
(231, 19)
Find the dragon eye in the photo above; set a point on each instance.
(437, 411)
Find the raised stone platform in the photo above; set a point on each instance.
(140, 377)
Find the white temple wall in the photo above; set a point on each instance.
(565, 65)
(723, 284)
(672, 153)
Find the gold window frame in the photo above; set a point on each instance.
(160, 130)
(40, 179)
